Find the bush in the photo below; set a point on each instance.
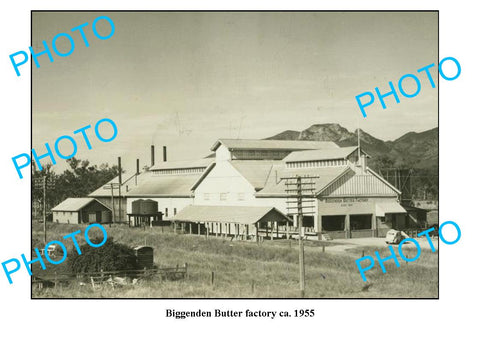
(111, 256)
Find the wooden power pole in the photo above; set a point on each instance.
(302, 190)
(44, 184)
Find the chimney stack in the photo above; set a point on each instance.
(164, 153)
(363, 163)
(138, 166)
(120, 170)
(152, 155)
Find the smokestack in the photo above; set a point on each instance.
(120, 170)
(138, 166)
(363, 163)
(152, 155)
(164, 153)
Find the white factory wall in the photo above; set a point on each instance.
(224, 185)
(171, 204)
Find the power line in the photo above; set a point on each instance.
(303, 189)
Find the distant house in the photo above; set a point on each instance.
(81, 210)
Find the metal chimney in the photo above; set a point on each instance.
(120, 170)
(138, 166)
(152, 155)
(164, 153)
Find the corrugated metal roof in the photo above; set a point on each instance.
(231, 214)
(128, 179)
(152, 185)
(319, 155)
(388, 208)
(73, 204)
(256, 172)
(276, 186)
(197, 163)
(268, 144)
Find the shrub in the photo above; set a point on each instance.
(111, 256)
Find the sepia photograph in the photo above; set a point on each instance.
(234, 155)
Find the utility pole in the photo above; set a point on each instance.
(119, 189)
(302, 190)
(44, 184)
(112, 186)
(45, 209)
(301, 249)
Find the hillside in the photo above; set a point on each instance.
(418, 150)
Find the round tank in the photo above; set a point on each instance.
(149, 207)
(136, 206)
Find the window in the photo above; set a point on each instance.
(174, 211)
(206, 196)
(166, 212)
(223, 196)
(241, 196)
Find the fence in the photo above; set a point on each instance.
(115, 278)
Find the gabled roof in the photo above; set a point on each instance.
(128, 179)
(268, 144)
(356, 184)
(151, 185)
(276, 186)
(75, 204)
(383, 180)
(230, 214)
(320, 155)
(256, 172)
(197, 163)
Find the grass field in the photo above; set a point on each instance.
(248, 270)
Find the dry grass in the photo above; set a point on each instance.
(271, 267)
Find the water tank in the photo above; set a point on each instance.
(144, 207)
(148, 207)
(106, 216)
(144, 256)
(136, 206)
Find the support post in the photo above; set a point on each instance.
(45, 210)
(348, 233)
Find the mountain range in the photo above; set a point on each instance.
(414, 149)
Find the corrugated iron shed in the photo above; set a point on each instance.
(75, 204)
(226, 214)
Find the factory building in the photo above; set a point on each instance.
(241, 190)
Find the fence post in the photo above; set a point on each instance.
(186, 270)
(323, 248)
(253, 286)
(213, 278)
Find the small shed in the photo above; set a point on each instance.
(81, 210)
(144, 256)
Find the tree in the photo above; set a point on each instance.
(79, 180)
(111, 256)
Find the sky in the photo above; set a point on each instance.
(185, 79)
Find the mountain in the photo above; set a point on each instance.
(418, 150)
